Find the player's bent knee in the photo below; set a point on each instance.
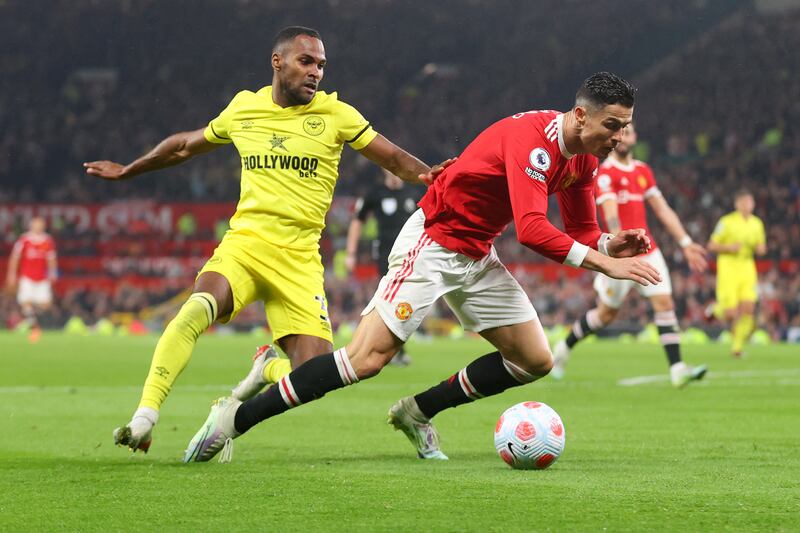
(542, 365)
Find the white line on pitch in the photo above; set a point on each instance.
(737, 374)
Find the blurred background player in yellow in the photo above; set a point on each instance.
(737, 237)
(290, 137)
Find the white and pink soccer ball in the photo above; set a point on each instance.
(529, 435)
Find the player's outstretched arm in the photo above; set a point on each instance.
(400, 163)
(173, 150)
(696, 255)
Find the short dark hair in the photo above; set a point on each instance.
(290, 32)
(742, 192)
(604, 88)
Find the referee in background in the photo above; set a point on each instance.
(391, 203)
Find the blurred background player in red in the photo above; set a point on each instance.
(390, 203)
(624, 185)
(32, 270)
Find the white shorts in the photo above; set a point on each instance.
(483, 294)
(34, 292)
(612, 291)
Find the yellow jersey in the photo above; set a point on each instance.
(290, 162)
(733, 228)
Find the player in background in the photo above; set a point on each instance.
(391, 204)
(446, 250)
(32, 270)
(625, 188)
(290, 137)
(737, 237)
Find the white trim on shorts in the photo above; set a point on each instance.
(34, 292)
(482, 293)
(612, 292)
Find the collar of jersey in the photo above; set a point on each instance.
(561, 145)
(620, 165)
(266, 93)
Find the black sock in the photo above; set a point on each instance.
(582, 328)
(308, 382)
(486, 376)
(670, 340)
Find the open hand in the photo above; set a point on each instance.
(435, 170)
(634, 269)
(696, 256)
(108, 170)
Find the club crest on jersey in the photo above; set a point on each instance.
(642, 181)
(569, 180)
(403, 311)
(314, 125)
(540, 159)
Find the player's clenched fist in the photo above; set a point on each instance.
(628, 243)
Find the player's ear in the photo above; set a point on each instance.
(580, 115)
(276, 61)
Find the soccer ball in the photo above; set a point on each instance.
(529, 435)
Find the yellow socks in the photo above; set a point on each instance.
(741, 332)
(174, 348)
(276, 369)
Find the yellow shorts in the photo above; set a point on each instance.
(735, 289)
(289, 282)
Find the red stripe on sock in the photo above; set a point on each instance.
(288, 392)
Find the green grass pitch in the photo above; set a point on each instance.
(720, 455)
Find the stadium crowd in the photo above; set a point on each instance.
(709, 122)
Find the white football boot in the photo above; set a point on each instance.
(216, 434)
(560, 357)
(255, 380)
(137, 434)
(406, 416)
(682, 374)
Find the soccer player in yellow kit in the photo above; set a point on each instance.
(290, 137)
(737, 237)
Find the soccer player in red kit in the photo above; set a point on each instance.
(445, 250)
(32, 268)
(624, 186)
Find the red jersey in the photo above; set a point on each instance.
(629, 185)
(506, 174)
(34, 252)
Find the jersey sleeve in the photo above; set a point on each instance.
(604, 188)
(19, 244)
(51, 248)
(650, 189)
(352, 127)
(578, 211)
(218, 130)
(718, 235)
(527, 188)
